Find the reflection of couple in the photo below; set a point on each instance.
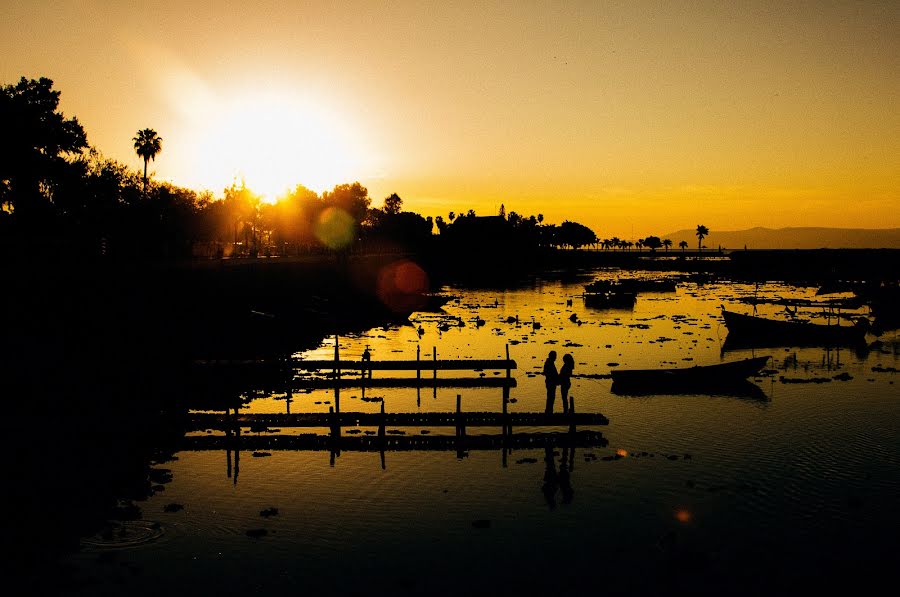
(553, 480)
(563, 379)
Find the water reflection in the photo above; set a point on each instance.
(819, 460)
(558, 481)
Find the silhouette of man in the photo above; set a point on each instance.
(551, 379)
(366, 357)
(565, 380)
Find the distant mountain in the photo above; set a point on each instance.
(792, 238)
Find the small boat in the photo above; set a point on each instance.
(699, 379)
(632, 285)
(609, 300)
(759, 331)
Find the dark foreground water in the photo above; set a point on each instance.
(791, 487)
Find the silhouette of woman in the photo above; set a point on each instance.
(565, 380)
(551, 380)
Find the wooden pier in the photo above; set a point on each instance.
(346, 432)
(378, 443)
(406, 365)
(221, 422)
(401, 382)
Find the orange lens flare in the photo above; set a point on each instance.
(402, 286)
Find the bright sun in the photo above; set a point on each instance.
(272, 141)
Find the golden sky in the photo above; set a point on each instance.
(633, 117)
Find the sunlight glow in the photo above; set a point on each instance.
(272, 141)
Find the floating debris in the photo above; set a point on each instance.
(784, 379)
(268, 512)
(173, 507)
(261, 454)
(257, 533)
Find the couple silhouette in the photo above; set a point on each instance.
(561, 378)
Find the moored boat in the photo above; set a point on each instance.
(609, 300)
(754, 330)
(699, 379)
(632, 285)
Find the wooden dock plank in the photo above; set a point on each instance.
(201, 421)
(582, 439)
(407, 365)
(409, 382)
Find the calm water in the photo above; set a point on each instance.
(708, 493)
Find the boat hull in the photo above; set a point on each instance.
(759, 331)
(723, 377)
(609, 300)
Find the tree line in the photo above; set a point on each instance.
(59, 193)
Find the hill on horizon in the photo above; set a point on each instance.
(793, 238)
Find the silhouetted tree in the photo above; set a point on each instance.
(36, 145)
(683, 244)
(242, 207)
(667, 243)
(147, 144)
(393, 204)
(575, 235)
(702, 232)
(295, 216)
(502, 213)
(653, 243)
(352, 198)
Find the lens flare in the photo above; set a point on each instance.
(402, 286)
(335, 228)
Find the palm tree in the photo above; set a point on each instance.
(147, 144)
(702, 232)
(683, 244)
(667, 243)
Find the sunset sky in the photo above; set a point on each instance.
(633, 118)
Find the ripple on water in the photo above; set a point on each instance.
(124, 534)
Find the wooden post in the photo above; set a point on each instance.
(381, 423)
(418, 354)
(571, 414)
(460, 426)
(228, 423)
(434, 356)
(337, 358)
(335, 424)
(237, 450)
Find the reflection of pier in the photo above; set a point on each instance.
(264, 432)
